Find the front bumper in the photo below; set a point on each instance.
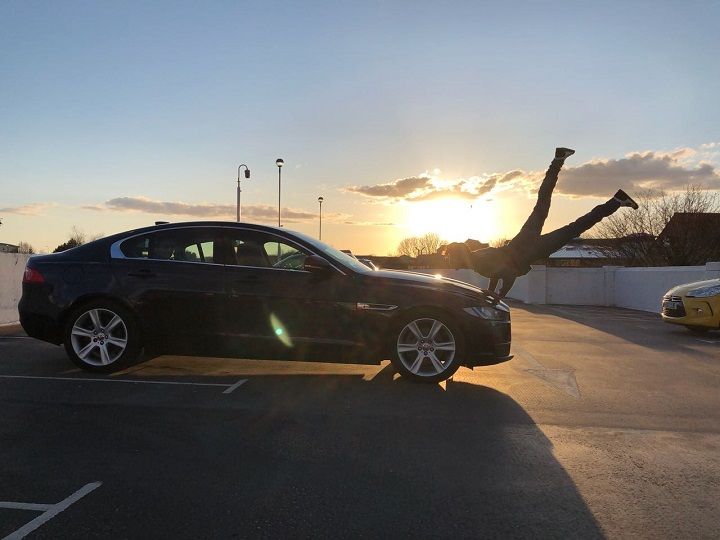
(489, 344)
(689, 311)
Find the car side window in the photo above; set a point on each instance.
(260, 250)
(186, 245)
(136, 248)
(285, 256)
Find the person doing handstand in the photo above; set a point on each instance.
(503, 265)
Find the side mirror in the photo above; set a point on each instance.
(316, 264)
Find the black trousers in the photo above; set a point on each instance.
(532, 228)
(529, 244)
(549, 243)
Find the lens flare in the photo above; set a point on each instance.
(280, 330)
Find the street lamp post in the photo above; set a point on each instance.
(247, 175)
(320, 201)
(279, 162)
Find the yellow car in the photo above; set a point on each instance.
(694, 305)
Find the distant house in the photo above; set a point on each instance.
(681, 223)
(431, 260)
(586, 253)
(8, 248)
(474, 245)
(691, 238)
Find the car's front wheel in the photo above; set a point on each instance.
(102, 337)
(427, 348)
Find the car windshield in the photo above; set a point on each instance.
(336, 254)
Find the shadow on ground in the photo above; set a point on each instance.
(290, 456)
(638, 327)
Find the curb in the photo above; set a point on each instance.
(10, 328)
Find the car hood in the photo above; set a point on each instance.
(682, 290)
(436, 282)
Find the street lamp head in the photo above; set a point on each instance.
(247, 171)
(320, 200)
(279, 162)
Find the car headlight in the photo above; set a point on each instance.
(704, 292)
(496, 313)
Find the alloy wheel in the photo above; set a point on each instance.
(99, 337)
(426, 347)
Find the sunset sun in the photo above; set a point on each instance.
(454, 220)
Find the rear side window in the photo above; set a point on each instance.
(186, 245)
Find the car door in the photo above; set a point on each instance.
(292, 308)
(174, 280)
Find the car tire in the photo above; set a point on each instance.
(426, 347)
(699, 329)
(102, 336)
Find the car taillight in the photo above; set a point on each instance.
(32, 276)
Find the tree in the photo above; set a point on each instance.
(414, 246)
(24, 247)
(409, 246)
(77, 238)
(638, 232)
(500, 242)
(430, 243)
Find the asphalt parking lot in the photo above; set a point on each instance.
(605, 424)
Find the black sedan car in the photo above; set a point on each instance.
(250, 287)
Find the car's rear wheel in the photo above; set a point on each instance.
(427, 347)
(102, 336)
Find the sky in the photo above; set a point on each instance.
(406, 117)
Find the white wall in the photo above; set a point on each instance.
(642, 288)
(633, 288)
(12, 266)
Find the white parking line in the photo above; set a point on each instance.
(25, 506)
(234, 386)
(229, 387)
(51, 511)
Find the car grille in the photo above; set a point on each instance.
(501, 332)
(672, 306)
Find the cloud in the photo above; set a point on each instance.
(426, 187)
(396, 189)
(33, 209)
(641, 170)
(667, 171)
(512, 175)
(369, 223)
(259, 212)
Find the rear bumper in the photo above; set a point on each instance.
(36, 315)
(41, 327)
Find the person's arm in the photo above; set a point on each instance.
(508, 280)
(493, 284)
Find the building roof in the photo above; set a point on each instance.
(575, 251)
(682, 222)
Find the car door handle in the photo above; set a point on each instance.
(143, 273)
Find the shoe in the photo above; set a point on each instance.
(625, 200)
(563, 153)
